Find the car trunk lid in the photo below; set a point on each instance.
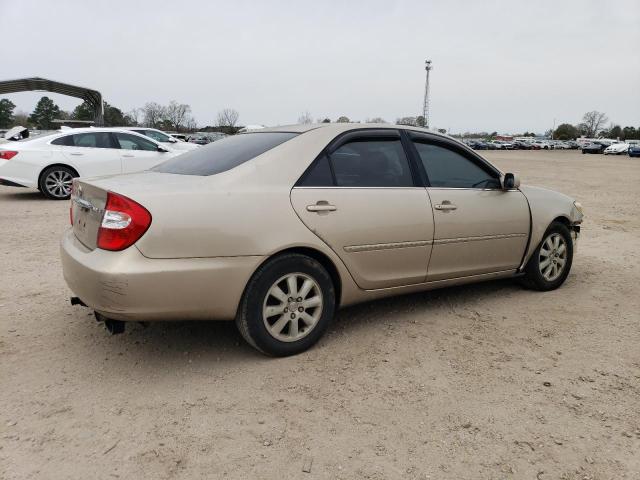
(89, 197)
(87, 208)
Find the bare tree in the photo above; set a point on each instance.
(191, 124)
(592, 123)
(375, 120)
(135, 114)
(305, 118)
(412, 121)
(177, 114)
(153, 114)
(228, 118)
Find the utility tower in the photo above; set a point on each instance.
(425, 106)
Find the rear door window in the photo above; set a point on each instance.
(371, 162)
(86, 140)
(225, 154)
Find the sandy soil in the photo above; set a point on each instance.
(487, 381)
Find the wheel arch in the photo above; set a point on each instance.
(317, 255)
(562, 219)
(56, 164)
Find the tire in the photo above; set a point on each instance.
(543, 276)
(265, 320)
(55, 182)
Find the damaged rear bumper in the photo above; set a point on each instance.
(126, 285)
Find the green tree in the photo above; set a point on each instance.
(45, 112)
(326, 120)
(6, 113)
(565, 131)
(84, 111)
(614, 132)
(113, 117)
(420, 121)
(343, 119)
(630, 133)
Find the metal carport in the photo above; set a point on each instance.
(93, 97)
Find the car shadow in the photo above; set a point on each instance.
(202, 342)
(22, 194)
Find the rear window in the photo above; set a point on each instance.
(224, 154)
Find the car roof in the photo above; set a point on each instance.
(338, 128)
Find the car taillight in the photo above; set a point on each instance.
(123, 223)
(7, 154)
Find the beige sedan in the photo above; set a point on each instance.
(278, 228)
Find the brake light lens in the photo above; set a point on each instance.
(123, 223)
(7, 154)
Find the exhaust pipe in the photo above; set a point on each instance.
(77, 301)
(114, 327)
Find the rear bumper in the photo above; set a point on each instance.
(129, 286)
(15, 173)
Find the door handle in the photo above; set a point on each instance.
(128, 156)
(321, 206)
(446, 205)
(76, 154)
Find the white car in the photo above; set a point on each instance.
(617, 149)
(50, 162)
(161, 137)
(543, 144)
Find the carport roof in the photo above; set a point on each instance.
(93, 97)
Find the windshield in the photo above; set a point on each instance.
(224, 154)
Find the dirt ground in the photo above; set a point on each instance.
(486, 381)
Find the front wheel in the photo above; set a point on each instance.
(287, 305)
(551, 262)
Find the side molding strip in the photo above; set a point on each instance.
(386, 246)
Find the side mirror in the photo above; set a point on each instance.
(511, 181)
(162, 149)
(172, 140)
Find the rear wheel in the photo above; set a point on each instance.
(287, 306)
(55, 182)
(550, 264)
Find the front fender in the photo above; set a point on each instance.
(545, 206)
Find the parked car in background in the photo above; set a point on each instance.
(594, 147)
(14, 134)
(559, 145)
(161, 137)
(573, 145)
(204, 138)
(476, 145)
(634, 150)
(179, 136)
(542, 144)
(268, 228)
(49, 163)
(520, 145)
(617, 149)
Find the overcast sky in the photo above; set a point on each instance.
(508, 66)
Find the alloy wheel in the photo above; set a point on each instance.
(58, 183)
(292, 307)
(553, 257)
